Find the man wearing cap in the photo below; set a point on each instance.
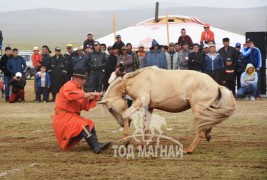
(46, 59)
(206, 36)
(87, 50)
(172, 58)
(141, 55)
(195, 61)
(155, 57)
(239, 64)
(119, 43)
(58, 72)
(80, 60)
(7, 73)
(89, 41)
(252, 55)
(69, 126)
(16, 63)
(184, 37)
(17, 84)
(184, 56)
(213, 64)
(97, 62)
(69, 55)
(227, 51)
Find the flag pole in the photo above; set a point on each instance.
(167, 25)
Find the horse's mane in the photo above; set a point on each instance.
(132, 74)
(127, 76)
(118, 80)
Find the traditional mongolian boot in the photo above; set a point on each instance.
(91, 139)
(95, 145)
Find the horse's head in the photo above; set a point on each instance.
(116, 106)
(114, 100)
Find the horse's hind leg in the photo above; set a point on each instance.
(200, 135)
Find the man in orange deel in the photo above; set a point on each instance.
(207, 36)
(69, 126)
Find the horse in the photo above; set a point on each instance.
(171, 91)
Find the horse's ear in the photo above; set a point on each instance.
(102, 102)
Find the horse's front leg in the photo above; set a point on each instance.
(126, 131)
(139, 103)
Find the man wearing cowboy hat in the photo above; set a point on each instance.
(69, 126)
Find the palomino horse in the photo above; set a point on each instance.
(171, 91)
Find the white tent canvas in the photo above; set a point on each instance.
(144, 32)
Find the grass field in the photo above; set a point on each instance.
(29, 150)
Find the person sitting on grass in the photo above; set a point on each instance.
(69, 126)
(249, 80)
(17, 88)
(42, 79)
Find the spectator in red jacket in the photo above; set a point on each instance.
(36, 58)
(185, 38)
(206, 36)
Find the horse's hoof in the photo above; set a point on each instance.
(187, 151)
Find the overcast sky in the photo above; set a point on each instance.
(88, 5)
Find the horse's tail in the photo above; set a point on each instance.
(222, 108)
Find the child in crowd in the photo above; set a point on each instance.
(229, 75)
(42, 79)
(36, 58)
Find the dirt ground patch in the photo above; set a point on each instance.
(29, 150)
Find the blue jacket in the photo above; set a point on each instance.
(38, 79)
(157, 58)
(213, 65)
(252, 56)
(15, 65)
(80, 63)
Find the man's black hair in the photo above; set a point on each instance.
(8, 48)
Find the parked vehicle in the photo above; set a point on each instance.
(30, 70)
